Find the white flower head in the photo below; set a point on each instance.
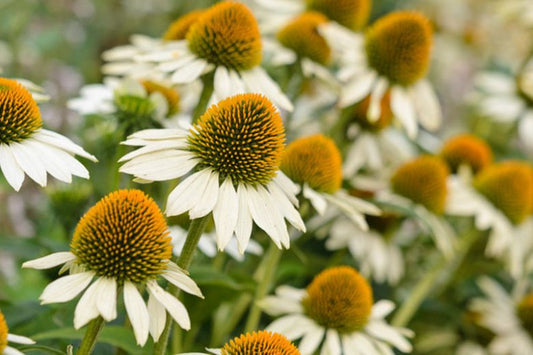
(6, 338)
(223, 39)
(234, 153)
(499, 198)
(507, 317)
(122, 241)
(419, 189)
(335, 314)
(390, 59)
(26, 147)
(260, 342)
(315, 162)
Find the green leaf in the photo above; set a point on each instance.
(113, 335)
(41, 349)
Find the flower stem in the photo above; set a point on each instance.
(184, 261)
(441, 272)
(89, 339)
(207, 91)
(264, 275)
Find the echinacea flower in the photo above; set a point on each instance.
(336, 314)
(420, 187)
(509, 318)
(377, 250)
(260, 342)
(507, 98)
(352, 14)
(122, 241)
(375, 144)
(26, 147)
(315, 162)
(299, 41)
(224, 39)
(392, 56)
(234, 152)
(5, 338)
(499, 198)
(466, 150)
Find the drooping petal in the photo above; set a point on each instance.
(66, 288)
(137, 313)
(175, 308)
(226, 213)
(158, 317)
(50, 261)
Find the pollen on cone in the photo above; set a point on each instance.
(349, 13)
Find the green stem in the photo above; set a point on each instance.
(441, 271)
(89, 339)
(184, 261)
(264, 275)
(207, 92)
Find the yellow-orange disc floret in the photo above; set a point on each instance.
(524, 311)
(19, 114)
(509, 186)
(349, 13)
(314, 160)
(398, 46)
(171, 95)
(466, 149)
(124, 236)
(301, 35)
(359, 114)
(339, 298)
(423, 180)
(241, 137)
(260, 343)
(179, 28)
(3, 333)
(227, 34)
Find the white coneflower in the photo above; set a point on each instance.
(122, 241)
(315, 162)
(336, 314)
(509, 318)
(6, 338)
(499, 198)
(234, 152)
(507, 98)
(391, 57)
(420, 187)
(26, 147)
(377, 249)
(225, 39)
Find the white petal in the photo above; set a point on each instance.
(158, 317)
(257, 80)
(29, 162)
(311, 340)
(357, 89)
(188, 193)
(374, 108)
(182, 281)
(382, 308)
(10, 168)
(286, 208)
(225, 213)
(11, 351)
(427, 105)
(243, 228)
(137, 312)
(66, 288)
(161, 165)
(86, 309)
(50, 261)
(174, 307)
(208, 198)
(332, 345)
(189, 72)
(317, 200)
(19, 339)
(106, 298)
(403, 110)
(387, 333)
(62, 142)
